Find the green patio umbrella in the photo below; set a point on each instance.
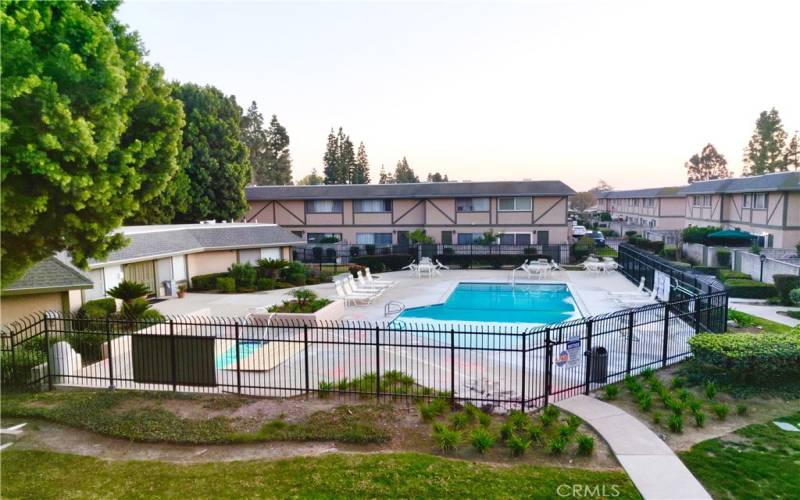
(732, 237)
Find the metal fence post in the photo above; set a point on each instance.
(47, 353)
(666, 336)
(238, 358)
(452, 368)
(697, 303)
(305, 350)
(524, 372)
(548, 366)
(110, 353)
(377, 362)
(588, 355)
(630, 344)
(174, 355)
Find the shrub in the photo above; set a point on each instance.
(16, 367)
(355, 251)
(784, 284)
(720, 410)
(583, 248)
(265, 284)
(459, 420)
(678, 382)
(549, 415)
(506, 431)
(741, 409)
(669, 252)
(325, 388)
(557, 445)
(203, 282)
(630, 233)
(128, 290)
(746, 357)
(645, 401)
(98, 308)
(611, 392)
(243, 274)
(794, 296)
(446, 439)
(293, 268)
(481, 440)
(297, 279)
(518, 445)
(726, 274)
(226, 285)
(656, 417)
(699, 418)
(433, 409)
(585, 444)
(707, 270)
(573, 422)
(697, 234)
(648, 374)
(724, 257)
(519, 421)
(269, 268)
(675, 423)
(381, 263)
(749, 289)
(536, 433)
(710, 389)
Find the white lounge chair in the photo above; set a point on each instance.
(356, 288)
(377, 281)
(637, 293)
(439, 265)
(352, 298)
(411, 267)
(637, 301)
(366, 285)
(536, 270)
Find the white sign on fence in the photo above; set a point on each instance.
(661, 284)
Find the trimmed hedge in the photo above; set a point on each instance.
(724, 257)
(785, 283)
(203, 282)
(669, 252)
(225, 284)
(726, 274)
(381, 263)
(493, 261)
(98, 308)
(645, 244)
(749, 289)
(749, 357)
(710, 271)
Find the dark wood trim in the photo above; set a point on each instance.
(262, 209)
(546, 211)
(415, 205)
(442, 212)
(773, 208)
(302, 221)
(736, 207)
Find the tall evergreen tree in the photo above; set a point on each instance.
(340, 159)
(255, 138)
(347, 158)
(360, 173)
(792, 155)
(765, 151)
(217, 162)
(280, 169)
(707, 165)
(437, 177)
(331, 160)
(403, 172)
(311, 179)
(385, 177)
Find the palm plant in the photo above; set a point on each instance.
(270, 267)
(128, 291)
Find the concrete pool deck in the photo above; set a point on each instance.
(591, 292)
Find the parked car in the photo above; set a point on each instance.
(599, 239)
(578, 231)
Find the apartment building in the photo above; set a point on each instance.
(525, 212)
(767, 206)
(660, 209)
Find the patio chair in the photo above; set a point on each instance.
(377, 281)
(637, 301)
(638, 292)
(356, 288)
(363, 283)
(352, 298)
(439, 265)
(411, 267)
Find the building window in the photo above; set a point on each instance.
(648, 202)
(746, 200)
(324, 206)
(515, 239)
(472, 204)
(374, 238)
(372, 206)
(515, 204)
(324, 237)
(702, 201)
(760, 200)
(468, 238)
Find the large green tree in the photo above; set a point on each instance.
(792, 154)
(88, 131)
(385, 177)
(270, 161)
(764, 153)
(215, 160)
(311, 179)
(340, 159)
(403, 172)
(278, 145)
(707, 165)
(360, 172)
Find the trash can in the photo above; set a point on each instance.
(169, 287)
(599, 365)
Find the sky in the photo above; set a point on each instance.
(624, 91)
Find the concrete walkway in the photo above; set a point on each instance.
(650, 463)
(765, 311)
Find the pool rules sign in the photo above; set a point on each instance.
(571, 354)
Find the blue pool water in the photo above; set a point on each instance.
(521, 305)
(246, 348)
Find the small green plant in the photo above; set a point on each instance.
(695, 405)
(656, 386)
(684, 395)
(675, 423)
(710, 389)
(506, 431)
(699, 418)
(720, 410)
(484, 420)
(472, 412)
(519, 420)
(611, 392)
(459, 420)
(573, 422)
(127, 291)
(645, 401)
(633, 385)
(657, 417)
(429, 411)
(446, 439)
(557, 445)
(585, 444)
(518, 445)
(549, 415)
(325, 388)
(675, 406)
(678, 382)
(648, 374)
(481, 440)
(741, 409)
(536, 433)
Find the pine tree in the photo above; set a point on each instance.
(792, 155)
(764, 153)
(385, 178)
(255, 137)
(708, 165)
(311, 179)
(280, 170)
(347, 158)
(437, 177)
(360, 173)
(331, 159)
(403, 173)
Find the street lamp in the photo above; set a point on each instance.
(763, 259)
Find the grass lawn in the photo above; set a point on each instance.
(757, 461)
(142, 416)
(748, 322)
(43, 475)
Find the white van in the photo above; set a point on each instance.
(578, 231)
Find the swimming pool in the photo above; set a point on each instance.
(246, 348)
(524, 305)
